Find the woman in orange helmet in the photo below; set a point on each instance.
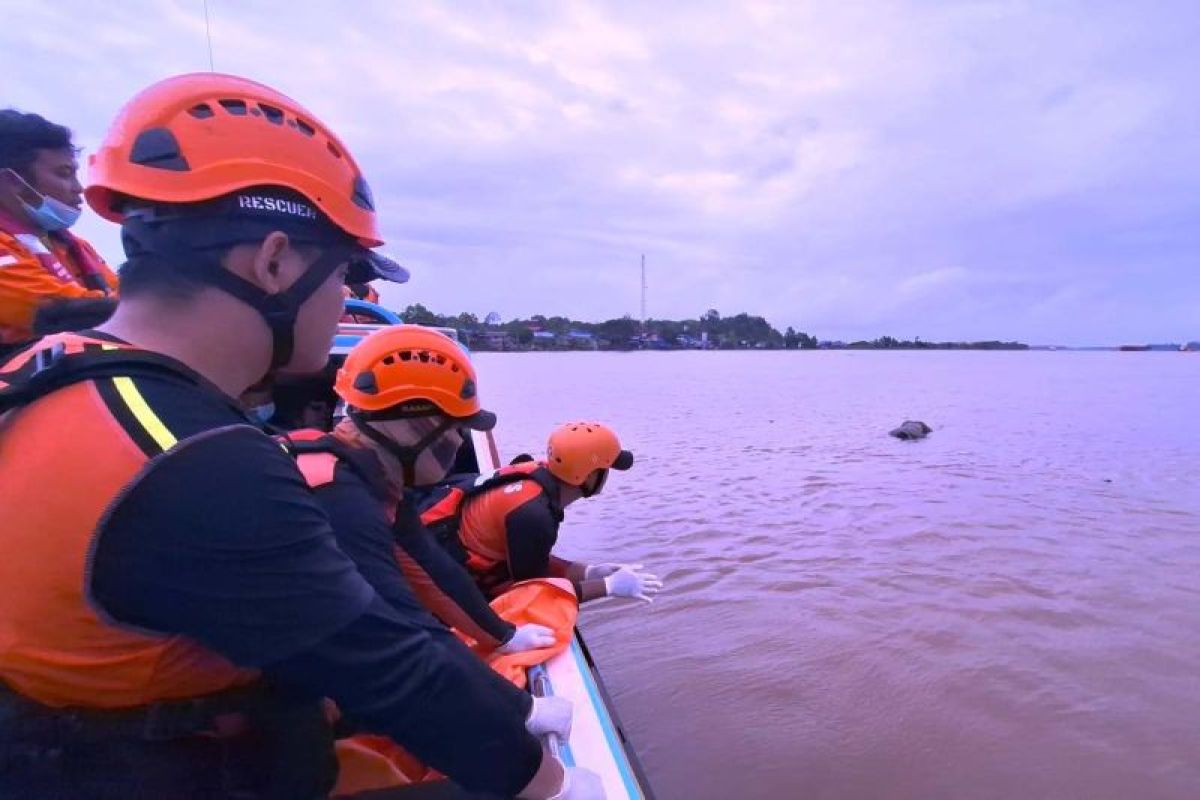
(173, 602)
(504, 529)
(410, 393)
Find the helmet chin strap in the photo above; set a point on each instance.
(143, 236)
(406, 454)
(597, 487)
(280, 310)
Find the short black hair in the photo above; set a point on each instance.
(176, 277)
(23, 135)
(148, 275)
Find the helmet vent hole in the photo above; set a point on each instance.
(424, 357)
(235, 107)
(406, 356)
(333, 149)
(305, 128)
(274, 115)
(389, 360)
(201, 111)
(158, 148)
(365, 382)
(361, 195)
(454, 367)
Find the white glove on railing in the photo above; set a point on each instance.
(581, 784)
(550, 715)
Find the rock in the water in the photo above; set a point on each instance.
(911, 429)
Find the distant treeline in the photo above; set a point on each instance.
(709, 331)
(889, 343)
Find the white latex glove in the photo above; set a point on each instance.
(597, 571)
(528, 637)
(550, 715)
(554, 781)
(631, 580)
(581, 784)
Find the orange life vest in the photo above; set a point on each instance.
(316, 461)
(367, 762)
(317, 456)
(36, 268)
(65, 456)
(471, 519)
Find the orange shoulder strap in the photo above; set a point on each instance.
(317, 468)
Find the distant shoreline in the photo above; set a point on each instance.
(709, 331)
(1029, 349)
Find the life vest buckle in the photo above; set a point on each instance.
(47, 357)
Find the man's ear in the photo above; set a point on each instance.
(266, 268)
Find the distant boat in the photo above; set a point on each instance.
(1190, 347)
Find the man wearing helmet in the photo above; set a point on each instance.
(173, 604)
(410, 392)
(506, 528)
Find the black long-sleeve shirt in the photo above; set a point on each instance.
(357, 509)
(220, 540)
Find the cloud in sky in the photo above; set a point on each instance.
(953, 170)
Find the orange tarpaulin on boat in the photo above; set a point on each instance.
(544, 601)
(367, 762)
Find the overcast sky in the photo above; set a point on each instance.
(954, 170)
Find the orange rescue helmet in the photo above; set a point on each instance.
(411, 371)
(235, 160)
(197, 137)
(577, 449)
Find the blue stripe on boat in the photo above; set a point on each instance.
(610, 729)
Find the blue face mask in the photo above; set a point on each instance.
(52, 215)
(263, 413)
